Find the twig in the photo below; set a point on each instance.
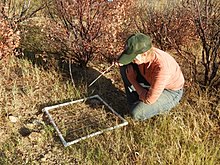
(100, 75)
(71, 75)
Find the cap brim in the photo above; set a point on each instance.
(126, 58)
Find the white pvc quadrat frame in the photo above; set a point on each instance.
(65, 143)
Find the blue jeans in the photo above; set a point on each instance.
(138, 109)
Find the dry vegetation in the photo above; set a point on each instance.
(8, 39)
(83, 118)
(189, 134)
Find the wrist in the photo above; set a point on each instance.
(133, 82)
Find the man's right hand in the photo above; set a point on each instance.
(116, 63)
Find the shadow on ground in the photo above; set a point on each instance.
(103, 87)
(81, 77)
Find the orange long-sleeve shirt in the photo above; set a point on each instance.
(162, 72)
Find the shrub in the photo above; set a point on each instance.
(171, 27)
(12, 14)
(206, 20)
(183, 26)
(8, 39)
(19, 11)
(87, 28)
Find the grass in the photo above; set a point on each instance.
(189, 134)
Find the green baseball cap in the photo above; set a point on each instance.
(136, 44)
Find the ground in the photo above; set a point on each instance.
(189, 134)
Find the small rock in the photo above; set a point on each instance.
(13, 119)
(43, 159)
(24, 131)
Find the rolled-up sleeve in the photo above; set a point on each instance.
(161, 77)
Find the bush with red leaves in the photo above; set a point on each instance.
(8, 39)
